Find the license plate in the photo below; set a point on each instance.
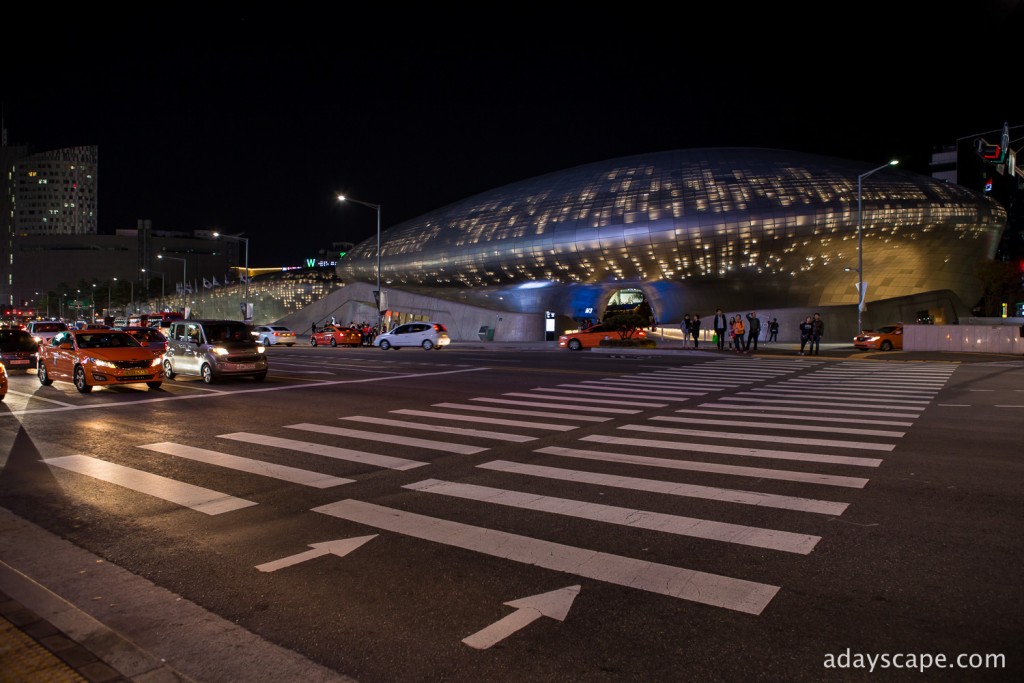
(243, 366)
(136, 371)
(18, 362)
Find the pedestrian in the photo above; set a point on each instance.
(817, 331)
(312, 331)
(773, 330)
(806, 328)
(753, 330)
(738, 333)
(695, 329)
(720, 324)
(684, 327)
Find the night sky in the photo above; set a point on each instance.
(253, 124)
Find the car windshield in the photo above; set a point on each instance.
(279, 329)
(106, 340)
(889, 329)
(148, 335)
(227, 332)
(16, 340)
(49, 327)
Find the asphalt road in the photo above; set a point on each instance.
(529, 515)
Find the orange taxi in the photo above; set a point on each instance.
(97, 358)
(883, 339)
(592, 336)
(3, 381)
(336, 335)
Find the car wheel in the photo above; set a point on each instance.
(427, 345)
(312, 341)
(168, 370)
(154, 385)
(575, 345)
(266, 341)
(260, 377)
(207, 373)
(81, 384)
(334, 342)
(886, 345)
(385, 345)
(44, 377)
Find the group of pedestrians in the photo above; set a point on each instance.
(811, 331)
(742, 338)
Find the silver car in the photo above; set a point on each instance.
(213, 349)
(427, 335)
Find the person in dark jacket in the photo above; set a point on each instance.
(817, 332)
(721, 323)
(806, 328)
(753, 330)
(695, 329)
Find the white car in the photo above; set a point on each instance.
(269, 335)
(426, 335)
(43, 331)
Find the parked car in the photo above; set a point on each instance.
(883, 339)
(213, 349)
(270, 335)
(592, 336)
(150, 337)
(427, 335)
(336, 335)
(44, 330)
(97, 358)
(3, 381)
(18, 349)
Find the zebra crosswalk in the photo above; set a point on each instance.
(804, 436)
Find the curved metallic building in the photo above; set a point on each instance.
(694, 230)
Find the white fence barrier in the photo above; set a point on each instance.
(964, 338)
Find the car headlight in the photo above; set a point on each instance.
(155, 362)
(261, 349)
(100, 363)
(38, 340)
(219, 350)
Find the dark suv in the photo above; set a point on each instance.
(18, 349)
(213, 349)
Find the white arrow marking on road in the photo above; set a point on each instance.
(341, 548)
(554, 604)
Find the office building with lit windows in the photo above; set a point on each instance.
(689, 231)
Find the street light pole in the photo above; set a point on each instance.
(245, 313)
(860, 242)
(343, 198)
(184, 266)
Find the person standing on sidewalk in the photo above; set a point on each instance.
(720, 325)
(684, 327)
(817, 331)
(737, 333)
(695, 329)
(773, 330)
(806, 328)
(753, 330)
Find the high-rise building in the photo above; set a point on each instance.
(56, 192)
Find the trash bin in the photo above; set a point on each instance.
(486, 333)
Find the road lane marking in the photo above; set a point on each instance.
(807, 396)
(527, 413)
(556, 406)
(655, 391)
(817, 411)
(741, 534)
(804, 418)
(622, 393)
(687, 584)
(234, 462)
(695, 466)
(834, 404)
(200, 499)
(583, 399)
(831, 429)
(737, 450)
(446, 429)
(327, 451)
(487, 420)
(743, 436)
(391, 439)
(716, 493)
